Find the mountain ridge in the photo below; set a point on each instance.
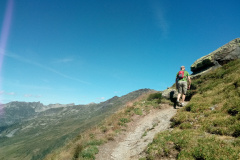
(117, 112)
(206, 128)
(53, 126)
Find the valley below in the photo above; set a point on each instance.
(32, 130)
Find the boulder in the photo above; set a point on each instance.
(170, 93)
(222, 55)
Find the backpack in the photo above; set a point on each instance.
(180, 74)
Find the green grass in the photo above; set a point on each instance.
(191, 144)
(155, 96)
(87, 150)
(209, 126)
(86, 144)
(89, 153)
(123, 121)
(138, 111)
(35, 141)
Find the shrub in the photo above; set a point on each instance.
(77, 150)
(233, 111)
(233, 106)
(177, 120)
(110, 137)
(94, 143)
(189, 107)
(89, 152)
(186, 125)
(237, 83)
(238, 116)
(91, 135)
(236, 132)
(129, 109)
(155, 96)
(189, 94)
(123, 121)
(104, 129)
(138, 111)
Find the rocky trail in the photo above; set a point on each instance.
(141, 131)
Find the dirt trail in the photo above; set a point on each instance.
(130, 145)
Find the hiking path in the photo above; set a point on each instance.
(140, 132)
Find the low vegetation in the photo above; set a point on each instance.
(85, 146)
(155, 96)
(53, 128)
(208, 127)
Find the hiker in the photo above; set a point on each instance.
(183, 82)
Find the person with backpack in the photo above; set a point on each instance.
(183, 82)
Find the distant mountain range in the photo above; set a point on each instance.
(208, 127)
(36, 129)
(15, 112)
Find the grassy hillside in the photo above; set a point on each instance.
(85, 146)
(208, 128)
(36, 137)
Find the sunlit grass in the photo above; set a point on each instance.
(85, 146)
(209, 126)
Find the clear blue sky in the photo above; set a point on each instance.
(82, 51)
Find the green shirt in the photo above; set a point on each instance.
(185, 78)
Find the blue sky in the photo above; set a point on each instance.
(77, 51)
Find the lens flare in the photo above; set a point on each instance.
(3, 42)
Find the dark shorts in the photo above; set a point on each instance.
(182, 87)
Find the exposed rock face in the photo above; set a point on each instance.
(222, 55)
(217, 58)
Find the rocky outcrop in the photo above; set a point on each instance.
(222, 55)
(217, 58)
(169, 93)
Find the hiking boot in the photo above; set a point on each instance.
(178, 103)
(183, 104)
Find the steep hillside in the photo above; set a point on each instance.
(35, 134)
(85, 145)
(209, 126)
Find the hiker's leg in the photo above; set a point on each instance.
(178, 97)
(183, 98)
(184, 91)
(179, 91)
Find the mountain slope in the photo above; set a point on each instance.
(139, 133)
(84, 146)
(209, 126)
(37, 134)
